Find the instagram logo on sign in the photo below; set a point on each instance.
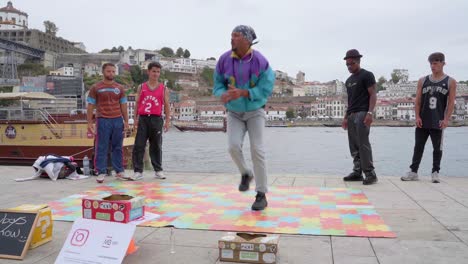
(79, 238)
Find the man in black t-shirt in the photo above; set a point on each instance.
(435, 100)
(362, 97)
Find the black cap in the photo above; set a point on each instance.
(352, 53)
(436, 56)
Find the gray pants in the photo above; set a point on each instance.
(359, 145)
(238, 123)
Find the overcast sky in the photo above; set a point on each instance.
(311, 36)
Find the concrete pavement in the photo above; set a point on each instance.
(431, 222)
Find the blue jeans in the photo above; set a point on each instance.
(109, 131)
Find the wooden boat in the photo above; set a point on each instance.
(26, 134)
(332, 124)
(201, 126)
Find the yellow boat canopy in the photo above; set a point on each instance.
(26, 96)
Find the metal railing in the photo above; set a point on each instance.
(39, 115)
(50, 122)
(16, 114)
(60, 134)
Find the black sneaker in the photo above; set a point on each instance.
(371, 178)
(245, 182)
(353, 176)
(260, 202)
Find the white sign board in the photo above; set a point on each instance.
(97, 242)
(147, 217)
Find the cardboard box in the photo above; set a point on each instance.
(119, 208)
(248, 248)
(43, 231)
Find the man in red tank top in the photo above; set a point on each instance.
(152, 98)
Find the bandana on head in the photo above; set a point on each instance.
(247, 32)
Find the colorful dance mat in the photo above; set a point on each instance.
(291, 210)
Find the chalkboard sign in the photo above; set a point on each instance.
(16, 228)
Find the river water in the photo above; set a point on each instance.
(315, 150)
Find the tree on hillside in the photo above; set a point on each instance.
(114, 49)
(138, 76)
(380, 83)
(105, 51)
(126, 80)
(180, 52)
(90, 80)
(177, 88)
(395, 77)
(32, 69)
(211, 58)
(187, 53)
(167, 52)
(120, 49)
(6, 89)
(399, 75)
(207, 76)
(290, 113)
(50, 27)
(169, 78)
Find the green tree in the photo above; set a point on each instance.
(32, 69)
(105, 51)
(167, 52)
(399, 74)
(114, 49)
(303, 114)
(180, 52)
(177, 88)
(120, 49)
(50, 27)
(395, 77)
(290, 113)
(187, 54)
(126, 80)
(6, 89)
(168, 77)
(380, 83)
(211, 58)
(171, 84)
(90, 80)
(138, 76)
(207, 76)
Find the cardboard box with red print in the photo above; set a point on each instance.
(119, 208)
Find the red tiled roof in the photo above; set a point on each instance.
(277, 108)
(10, 9)
(188, 103)
(211, 108)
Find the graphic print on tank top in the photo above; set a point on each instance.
(434, 101)
(151, 101)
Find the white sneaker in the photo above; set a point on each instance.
(121, 176)
(100, 178)
(410, 176)
(159, 175)
(435, 177)
(136, 176)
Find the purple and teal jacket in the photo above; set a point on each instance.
(252, 73)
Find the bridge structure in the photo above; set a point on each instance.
(12, 49)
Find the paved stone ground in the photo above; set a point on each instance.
(431, 222)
